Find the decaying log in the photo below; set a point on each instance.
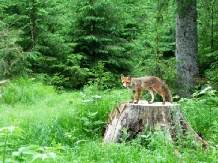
(1, 83)
(143, 116)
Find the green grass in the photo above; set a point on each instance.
(66, 126)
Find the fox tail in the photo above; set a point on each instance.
(167, 92)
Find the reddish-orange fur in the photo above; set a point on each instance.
(151, 83)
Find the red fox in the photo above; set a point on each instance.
(151, 83)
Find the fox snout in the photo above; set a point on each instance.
(125, 84)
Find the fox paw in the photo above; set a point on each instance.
(150, 102)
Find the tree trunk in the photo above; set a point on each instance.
(136, 118)
(186, 46)
(32, 16)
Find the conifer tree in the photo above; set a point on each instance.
(98, 35)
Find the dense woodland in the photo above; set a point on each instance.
(63, 60)
(72, 43)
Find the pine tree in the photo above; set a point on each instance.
(98, 36)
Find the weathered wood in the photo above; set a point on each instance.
(1, 83)
(143, 116)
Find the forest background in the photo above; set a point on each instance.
(84, 46)
(70, 44)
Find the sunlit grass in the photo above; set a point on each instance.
(70, 123)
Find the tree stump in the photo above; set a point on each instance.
(136, 118)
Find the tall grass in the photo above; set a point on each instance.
(67, 127)
(201, 112)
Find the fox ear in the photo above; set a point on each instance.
(122, 76)
(130, 76)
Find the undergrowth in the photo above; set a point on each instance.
(40, 124)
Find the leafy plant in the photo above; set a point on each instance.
(201, 110)
(212, 133)
(35, 152)
(10, 138)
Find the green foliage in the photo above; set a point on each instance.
(212, 72)
(67, 41)
(13, 61)
(212, 133)
(9, 139)
(124, 152)
(103, 79)
(201, 111)
(12, 151)
(154, 43)
(208, 39)
(36, 152)
(70, 74)
(69, 51)
(90, 43)
(23, 90)
(160, 68)
(99, 32)
(98, 36)
(86, 109)
(63, 126)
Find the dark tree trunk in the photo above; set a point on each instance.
(138, 118)
(186, 46)
(32, 15)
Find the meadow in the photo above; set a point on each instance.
(41, 124)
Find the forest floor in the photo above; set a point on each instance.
(40, 124)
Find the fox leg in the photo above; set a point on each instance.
(164, 100)
(162, 95)
(151, 90)
(139, 94)
(133, 96)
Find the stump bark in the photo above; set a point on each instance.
(136, 118)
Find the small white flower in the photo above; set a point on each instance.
(97, 96)
(87, 100)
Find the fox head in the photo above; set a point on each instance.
(126, 80)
